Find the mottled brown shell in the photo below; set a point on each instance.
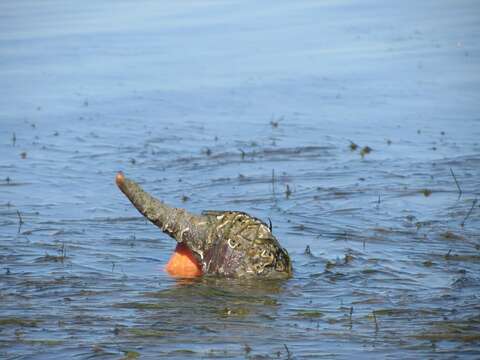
(238, 244)
(226, 243)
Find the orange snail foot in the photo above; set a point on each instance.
(183, 264)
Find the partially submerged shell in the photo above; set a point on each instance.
(225, 243)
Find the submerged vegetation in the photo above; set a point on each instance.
(18, 322)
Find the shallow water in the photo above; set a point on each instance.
(222, 105)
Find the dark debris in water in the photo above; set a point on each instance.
(307, 250)
(143, 333)
(365, 151)
(288, 191)
(142, 306)
(310, 314)
(450, 235)
(51, 258)
(426, 192)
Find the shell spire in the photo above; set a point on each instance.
(173, 221)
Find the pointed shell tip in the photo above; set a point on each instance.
(120, 179)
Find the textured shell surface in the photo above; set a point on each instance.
(225, 243)
(244, 246)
